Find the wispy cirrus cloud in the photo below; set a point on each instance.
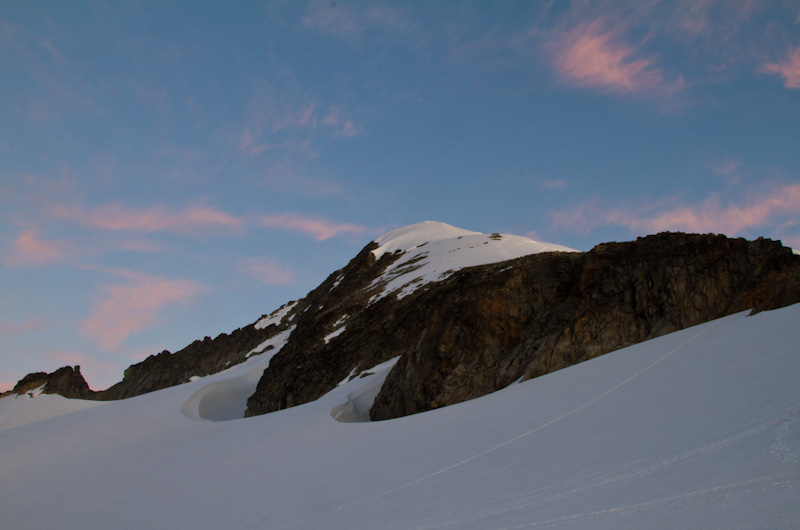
(116, 217)
(30, 250)
(553, 184)
(287, 121)
(319, 229)
(781, 205)
(349, 22)
(788, 69)
(340, 123)
(596, 56)
(267, 270)
(124, 309)
(726, 168)
(18, 328)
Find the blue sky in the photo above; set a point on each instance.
(170, 170)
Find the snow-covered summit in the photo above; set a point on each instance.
(412, 236)
(432, 251)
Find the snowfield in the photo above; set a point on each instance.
(432, 251)
(697, 429)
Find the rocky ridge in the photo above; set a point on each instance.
(66, 381)
(461, 327)
(484, 327)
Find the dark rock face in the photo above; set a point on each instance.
(200, 358)
(547, 312)
(480, 329)
(308, 366)
(66, 381)
(488, 326)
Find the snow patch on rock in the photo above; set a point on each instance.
(433, 251)
(276, 316)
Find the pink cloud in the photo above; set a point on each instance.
(114, 217)
(349, 129)
(319, 229)
(293, 118)
(268, 271)
(28, 249)
(789, 69)
(711, 215)
(135, 245)
(533, 234)
(340, 123)
(19, 328)
(593, 56)
(552, 184)
(124, 309)
(727, 168)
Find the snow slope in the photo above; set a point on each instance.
(432, 251)
(697, 429)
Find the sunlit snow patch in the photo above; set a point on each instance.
(433, 251)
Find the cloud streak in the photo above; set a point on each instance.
(788, 69)
(29, 250)
(20, 328)
(346, 22)
(319, 229)
(711, 215)
(116, 217)
(124, 309)
(267, 270)
(591, 55)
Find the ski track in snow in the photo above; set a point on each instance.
(703, 328)
(671, 502)
(733, 464)
(780, 448)
(630, 471)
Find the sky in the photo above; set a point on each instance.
(174, 170)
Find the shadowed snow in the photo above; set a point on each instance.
(360, 400)
(225, 400)
(696, 429)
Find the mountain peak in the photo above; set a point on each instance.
(432, 251)
(412, 236)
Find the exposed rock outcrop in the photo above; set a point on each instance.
(200, 358)
(485, 327)
(464, 332)
(548, 312)
(66, 381)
